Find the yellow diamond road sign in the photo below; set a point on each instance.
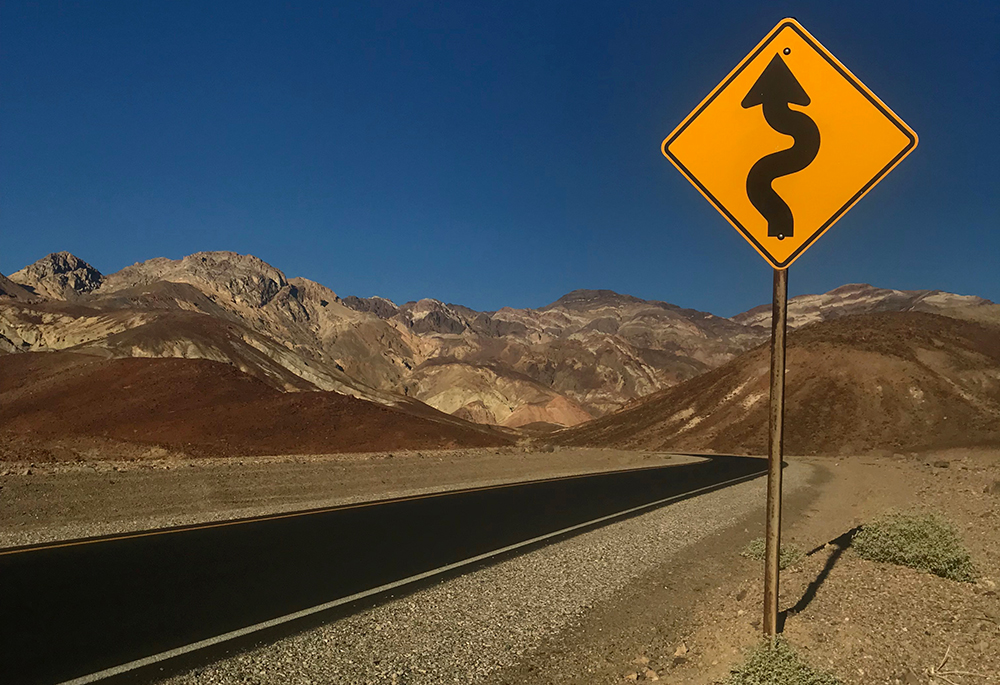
(787, 143)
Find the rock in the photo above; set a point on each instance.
(993, 488)
(59, 276)
(650, 674)
(741, 595)
(681, 650)
(942, 463)
(633, 676)
(641, 661)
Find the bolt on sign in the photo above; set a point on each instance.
(734, 147)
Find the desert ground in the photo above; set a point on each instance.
(664, 597)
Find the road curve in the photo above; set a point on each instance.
(88, 609)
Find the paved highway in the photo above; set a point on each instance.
(125, 607)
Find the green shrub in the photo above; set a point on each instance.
(788, 555)
(924, 541)
(777, 664)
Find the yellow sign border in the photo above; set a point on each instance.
(852, 79)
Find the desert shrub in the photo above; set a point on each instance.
(924, 541)
(788, 555)
(777, 664)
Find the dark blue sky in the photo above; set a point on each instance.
(483, 153)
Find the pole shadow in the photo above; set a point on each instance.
(840, 543)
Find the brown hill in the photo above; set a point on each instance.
(892, 381)
(202, 408)
(10, 289)
(501, 396)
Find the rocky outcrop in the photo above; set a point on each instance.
(859, 298)
(379, 306)
(59, 276)
(240, 280)
(11, 290)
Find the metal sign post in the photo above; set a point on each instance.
(776, 420)
(733, 147)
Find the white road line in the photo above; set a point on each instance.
(201, 644)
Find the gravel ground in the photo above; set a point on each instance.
(467, 628)
(868, 623)
(65, 501)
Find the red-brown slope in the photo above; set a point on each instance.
(204, 408)
(896, 381)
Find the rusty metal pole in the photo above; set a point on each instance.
(776, 420)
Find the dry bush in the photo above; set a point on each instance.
(788, 555)
(777, 664)
(923, 541)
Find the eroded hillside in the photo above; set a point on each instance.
(890, 381)
(584, 355)
(68, 406)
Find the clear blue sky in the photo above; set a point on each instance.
(488, 154)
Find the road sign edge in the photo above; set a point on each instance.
(722, 85)
(665, 145)
(851, 78)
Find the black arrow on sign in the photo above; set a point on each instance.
(775, 90)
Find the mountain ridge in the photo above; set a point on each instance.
(581, 356)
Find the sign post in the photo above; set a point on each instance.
(776, 420)
(783, 147)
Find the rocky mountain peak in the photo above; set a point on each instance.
(245, 279)
(854, 289)
(379, 306)
(433, 316)
(590, 299)
(60, 276)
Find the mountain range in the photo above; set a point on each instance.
(584, 356)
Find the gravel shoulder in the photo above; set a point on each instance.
(60, 501)
(498, 623)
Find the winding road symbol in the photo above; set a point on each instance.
(763, 169)
(774, 91)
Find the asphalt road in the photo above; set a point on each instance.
(77, 610)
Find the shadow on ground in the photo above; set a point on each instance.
(840, 545)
